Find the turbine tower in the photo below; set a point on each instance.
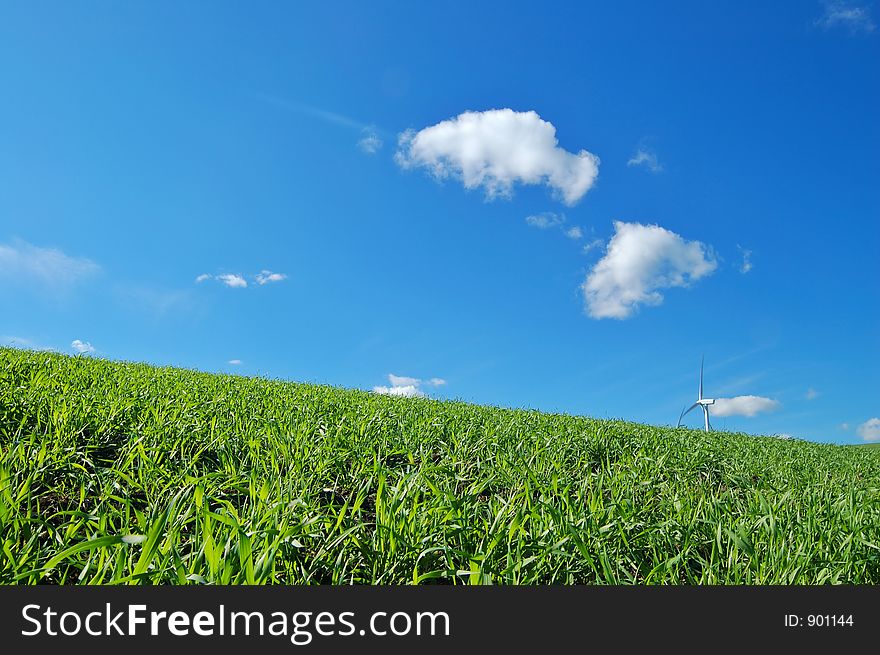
(701, 402)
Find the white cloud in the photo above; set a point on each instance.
(402, 380)
(743, 406)
(869, 430)
(235, 362)
(546, 220)
(746, 265)
(409, 387)
(811, 394)
(552, 220)
(639, 262)
(855, 18)
(497, 149)
(237, 281)
(82, 346)
(592, 245)
(47, 266)
(264, 277)
(232, 280)
(407, 391)
(647, 159)
(370, 142)
(844, 426)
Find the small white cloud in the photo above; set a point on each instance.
(746, 265)
(497, 149)
(853, 17)
(647, 159)
(811, 394)
(869, 430)
(264, 277)
(232, 280)
(640, 261)
(546, 220)
(50, 267)
(844, 426)
(82, 346)
(370, 142)
(574, 233)
(409, 387)
(743, 406)
(235, 362)
(593, 245)
(407, 391)
(402, 380)
(203, 277)
(783, 435)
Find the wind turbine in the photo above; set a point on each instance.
(701, 402)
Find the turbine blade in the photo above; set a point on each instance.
(700, 396)
(686, 412)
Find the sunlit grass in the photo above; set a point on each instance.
(125, 473)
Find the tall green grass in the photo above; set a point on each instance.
(127, 474)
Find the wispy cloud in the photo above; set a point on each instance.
(545, 220)
(593, 245)
(408, 387)
(647, 159)
(848, 15)
(496, 150)
(869, 430)
(640, 261)
(238, 281)
(551, 221)
(235, 362)
(370, 142)
(844, 426)
(746, 264)
(315, 112)
(266, 276)
(743, 406)
(82, 346)
(23, 343)
(51, 268)
(811, 394)
(233, 280)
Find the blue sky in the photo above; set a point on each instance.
(697, 178)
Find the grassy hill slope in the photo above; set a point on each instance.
(115, 472)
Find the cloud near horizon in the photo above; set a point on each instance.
(82, 346)
(869, 430)
(497, 149)
(743, 406)
(407, 387)
(639, 262)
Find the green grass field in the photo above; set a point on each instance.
(125, 473)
